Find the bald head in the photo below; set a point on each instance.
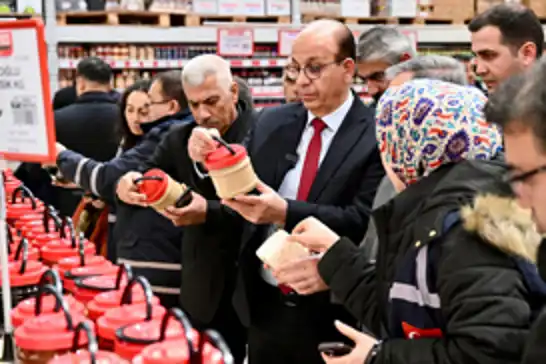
(335, 33)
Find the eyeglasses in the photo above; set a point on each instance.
(159, 102)
(523, 177)
(312, 71)
(378, 76)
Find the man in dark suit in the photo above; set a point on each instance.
(89, 125)
(315, 158)
(209, 270)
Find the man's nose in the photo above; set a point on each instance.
(523, 197)
(480, 67)
(203, 113)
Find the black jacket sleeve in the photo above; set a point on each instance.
(352, 281)
(101, 178)
(346, 221)
(162, 156)
(484, 305)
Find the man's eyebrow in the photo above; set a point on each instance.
(312, 59)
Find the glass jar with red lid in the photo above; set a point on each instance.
(28, 308)
(133, 338)
(44, 337)
(19, 206)
(87, 288)
(66, 246)
(40, 232)
(127, 313)
(91, 355)
(24, 276)
(212, 350)
(82, 266)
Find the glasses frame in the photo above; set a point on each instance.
(305, 70)
(523, 177)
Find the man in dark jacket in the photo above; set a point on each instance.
(518, 107)
(209, 264)
(88, 126)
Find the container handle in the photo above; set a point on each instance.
(22, 248)
(81, 249)
(92, 346)
(147, 178)
(224, 144)
(67, 222)
(127, 297)
(123, 268)
(54, 280)
(50, 289)
(50, 214)
(181, 317)
(25, 192)
(214, 338)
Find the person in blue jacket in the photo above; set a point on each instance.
(143, 238)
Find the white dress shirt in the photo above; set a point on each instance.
(291, 183)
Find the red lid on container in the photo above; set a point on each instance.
(222, 158)
(176, 352)
(33, 253)
(124, 315)
(108, 300)
(15, 211)
(31, 218)
(11, 185)
(153, 188)
(70, 263)
(80, 272)
(31, 274)
(83, 357)
(49, 332)
(59, 249)
(25, 310)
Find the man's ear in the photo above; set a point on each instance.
(235, 91)
(528, 53)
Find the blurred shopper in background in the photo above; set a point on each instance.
(378, 49)
(506, 39)
(289, 88)
(210, 245)
(88, 126)
(519, 107)
(144, 239)
(455, 249)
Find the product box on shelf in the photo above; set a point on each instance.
(321, 8)
(457, 10)
(278, 7)
(538, 6)
(356, 8)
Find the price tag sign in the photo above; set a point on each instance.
(286, 38)
(26, 114)
(235, 42)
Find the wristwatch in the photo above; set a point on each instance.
(372, 355)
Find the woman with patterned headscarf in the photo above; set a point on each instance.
(454, 270)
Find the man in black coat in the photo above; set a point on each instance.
(315, 158)
(88, 126)
(209, 266)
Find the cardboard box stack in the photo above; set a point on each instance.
(458, 10)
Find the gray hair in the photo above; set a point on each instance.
(441, 68)
(384, 43)
(520, 103)
(199, 68)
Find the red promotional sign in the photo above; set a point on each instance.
(26, 113)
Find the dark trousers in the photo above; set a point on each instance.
(227, 323)
(288, 330)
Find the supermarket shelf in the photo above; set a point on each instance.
(169, 64)
(274, 92)
(430, 34)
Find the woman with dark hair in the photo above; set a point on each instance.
(144, 239)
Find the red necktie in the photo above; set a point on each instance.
(309, 171)
(311, 164)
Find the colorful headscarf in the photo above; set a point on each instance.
(424, 124)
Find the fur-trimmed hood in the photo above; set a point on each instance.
(501, 222)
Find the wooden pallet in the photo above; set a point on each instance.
(158, 19)
(122, 18)
(197, 19)
(307, 18)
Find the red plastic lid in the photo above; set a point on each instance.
(33, 217)
(112, 299)
(176, 352)
(17, 210)
(82, 357)
(31, 276)
(25, 309)
(127, 314)
(153, 189)
(151, 330)
(62, 248)
(49, 332)
(33, 253)
(222, 158)
(69, 263)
